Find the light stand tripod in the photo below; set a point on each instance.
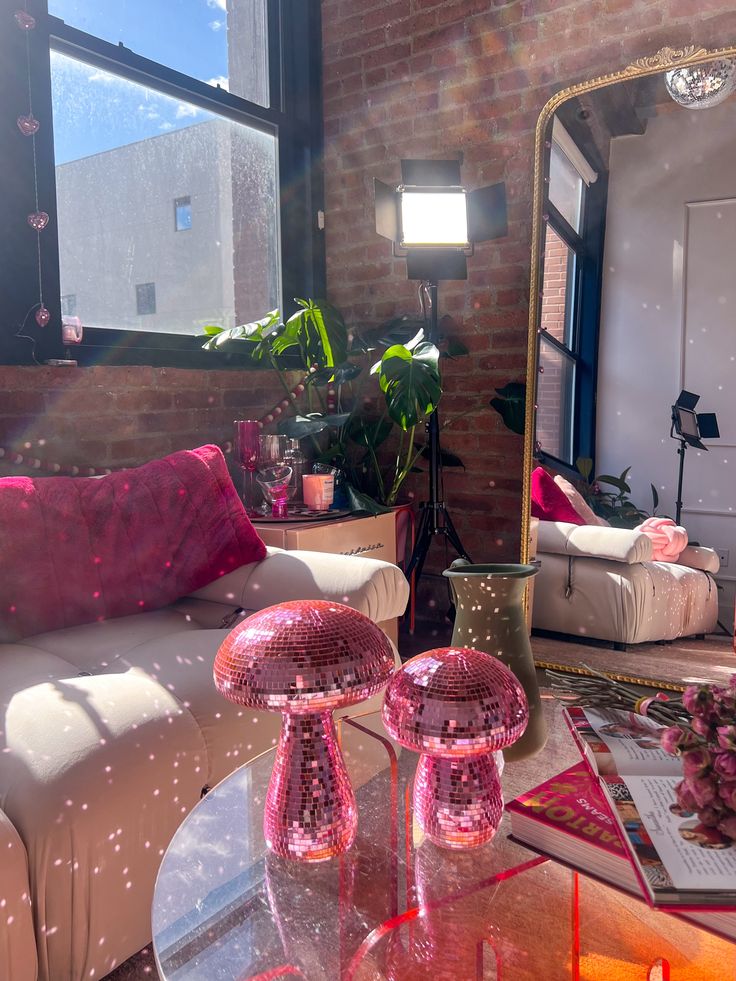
(434, 518)
(681, 453)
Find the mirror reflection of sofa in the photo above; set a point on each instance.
(111, 727)
(602, 583)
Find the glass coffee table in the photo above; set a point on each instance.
(396, 906)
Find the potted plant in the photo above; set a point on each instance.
(386, 382)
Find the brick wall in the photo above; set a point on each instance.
(552, 321)
(115, 417)
(423, 78)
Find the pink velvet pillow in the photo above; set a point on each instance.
(80, 549)
(548, 501)
(579, 504)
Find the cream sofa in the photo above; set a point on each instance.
(602, 583)
(109, 734)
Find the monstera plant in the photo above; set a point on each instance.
(372, 433)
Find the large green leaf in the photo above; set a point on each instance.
(369, 432)
(455, 349)
(618, 482)
(253, 340)
(343, 373)
(410, 380)
(320, 330)
(510, 404)
(359, 501)
(400, 330)
(584, 466)
(301, 426)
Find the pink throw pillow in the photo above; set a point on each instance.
(548, 501)
(579, 503)
(80, 549)
(668, 539)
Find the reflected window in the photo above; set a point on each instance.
(571, 258)
(565, 187)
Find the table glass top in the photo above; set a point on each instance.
(396, 906)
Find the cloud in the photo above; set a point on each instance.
(216, 25)
(217, 4)
(147, 112)
(184, 109)
(100, 76)
(166, 125)
(221, 80)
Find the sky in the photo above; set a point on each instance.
(96, 111)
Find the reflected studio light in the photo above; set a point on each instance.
(431, 217)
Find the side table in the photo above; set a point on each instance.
(372, 537)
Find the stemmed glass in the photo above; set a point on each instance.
(248, 448)
(271, 455)
(275, 484)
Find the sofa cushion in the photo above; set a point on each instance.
(18, 958)
(590, 541)
(579, 504)
(85, 550)
(549, 502)
(96, 793)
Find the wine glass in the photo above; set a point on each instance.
(271, 455)
(275, 482)
(248, 448)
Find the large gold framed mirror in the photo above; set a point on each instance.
(638, 302)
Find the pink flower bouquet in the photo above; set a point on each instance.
(708, 751)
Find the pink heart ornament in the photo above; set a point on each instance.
(24, 20)
(28, 125)
(42, 316)
(38, 220)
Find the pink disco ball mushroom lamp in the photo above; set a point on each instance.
(304, 659)
(456, 706)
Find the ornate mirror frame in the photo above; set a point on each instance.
(663, 60)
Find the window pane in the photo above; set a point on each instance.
(183, 214)
(555, 398)
(558, 285)
(145, 298)
(201, 38)
(125, 155)
(565, 187)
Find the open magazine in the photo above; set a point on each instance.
(568, 818)
(679, 861)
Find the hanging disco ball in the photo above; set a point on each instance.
(702, 86)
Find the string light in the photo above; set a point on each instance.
(29, 126)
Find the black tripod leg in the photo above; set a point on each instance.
(421, 545)
(453, 536)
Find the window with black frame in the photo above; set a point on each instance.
(174, 116)
(570, 302)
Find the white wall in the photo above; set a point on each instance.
(668, 317)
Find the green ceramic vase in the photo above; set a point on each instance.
(489, 615)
